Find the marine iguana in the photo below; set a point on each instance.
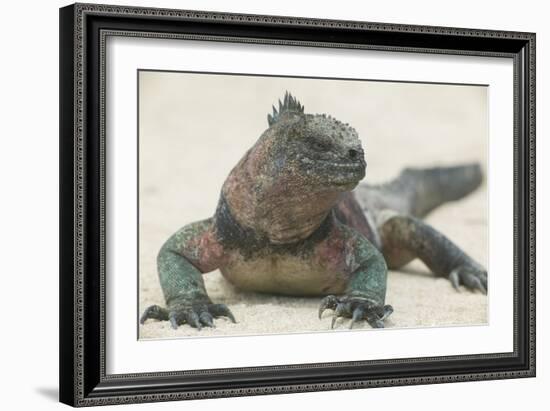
(288, 222)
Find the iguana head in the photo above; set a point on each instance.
(287, 183)
(320, 149)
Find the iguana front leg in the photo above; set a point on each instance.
(406, 236)
(364, 298)
(190, 252)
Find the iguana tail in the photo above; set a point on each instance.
(417, 191)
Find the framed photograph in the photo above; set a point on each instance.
(261, 204)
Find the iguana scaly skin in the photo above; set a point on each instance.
(288, 223)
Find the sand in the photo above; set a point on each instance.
(194, 128)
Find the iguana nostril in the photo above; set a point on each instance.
(353, 154)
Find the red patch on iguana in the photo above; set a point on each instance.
(211, 252)
(349, 212)
(331, 252)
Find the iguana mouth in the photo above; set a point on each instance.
(349, 180)
(348, 166)
(354, 166)
(341, 174)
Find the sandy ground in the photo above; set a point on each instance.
(194, 128)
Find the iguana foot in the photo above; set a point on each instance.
(196, 315)
(355, 308)
(470, 276)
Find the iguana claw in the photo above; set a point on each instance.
(196, 315)
(471, 277)
(329, 302)
(156, 312)
(355, 308)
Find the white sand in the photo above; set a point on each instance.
(194, 128)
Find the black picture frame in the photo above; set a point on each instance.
(83, 29)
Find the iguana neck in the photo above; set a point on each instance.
(279, 206)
